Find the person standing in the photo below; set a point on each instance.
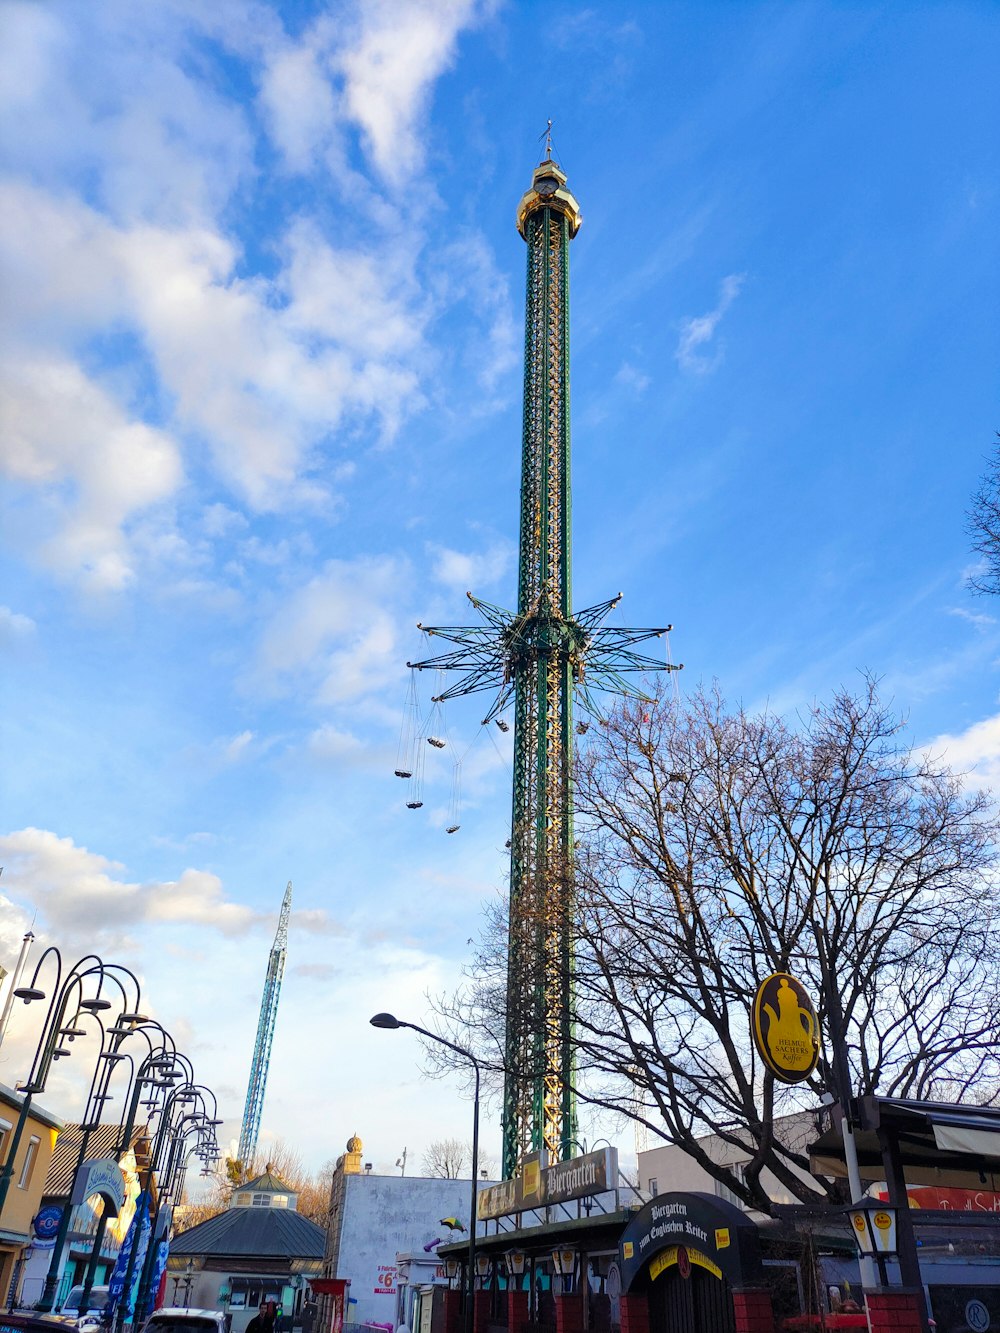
(262, 1322)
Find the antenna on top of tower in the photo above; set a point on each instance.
(265, 1036)
(547, 136)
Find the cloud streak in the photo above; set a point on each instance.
(694, 346)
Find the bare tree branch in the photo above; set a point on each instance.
(716, 847)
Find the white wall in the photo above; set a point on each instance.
(389, 1215)
(672, 1169)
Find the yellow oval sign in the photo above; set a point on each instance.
(785, 1028)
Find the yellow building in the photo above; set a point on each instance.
(31, 1165)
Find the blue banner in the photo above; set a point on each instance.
(159, 1267)
(137, 1238)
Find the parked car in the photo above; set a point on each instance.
(178, 1319)
(91, 1316)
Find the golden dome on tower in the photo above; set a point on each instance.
(548, 190)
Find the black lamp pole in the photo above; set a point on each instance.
(65, 991)
(143, 1080)
(390, 1021)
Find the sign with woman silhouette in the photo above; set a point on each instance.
(785, 1028)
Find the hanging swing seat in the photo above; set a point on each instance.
(453, 828)
(582, 728)
(414, 805)
(504, 726)
(403, 773)
(436, 742)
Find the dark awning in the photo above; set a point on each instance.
(940, 1143)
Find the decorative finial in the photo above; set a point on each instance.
(548, 141)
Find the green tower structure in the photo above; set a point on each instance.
(541, 658)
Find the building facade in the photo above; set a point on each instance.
(671, 1168)
(85, 1217)
(24, 1197)
(260, 1249)
(373, 1220)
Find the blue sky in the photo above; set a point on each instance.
(262, 374)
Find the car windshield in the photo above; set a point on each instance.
(98, 1298)
(181, 1324)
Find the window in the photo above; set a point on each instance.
(654, 1186)
(4, 1131)
(724, 1192)
(29, 1163)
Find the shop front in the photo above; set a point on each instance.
(693, 1261)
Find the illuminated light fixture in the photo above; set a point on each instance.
(515, 1261)
(564, 1262)
(873, 1224)
(483, 1265)
(133, 1018)
(452, 1268)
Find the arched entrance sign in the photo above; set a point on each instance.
(692, 1228)
(103, 1176)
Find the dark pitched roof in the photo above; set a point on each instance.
(262, 1232)
(101, 1143)
(267, 1183)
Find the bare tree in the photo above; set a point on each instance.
(984, 528)
(717, 847)
(282, 1161)
(447, 1158)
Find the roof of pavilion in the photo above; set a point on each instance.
(263, 1232)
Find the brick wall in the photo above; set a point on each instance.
(894, 1311)
(753, 1310)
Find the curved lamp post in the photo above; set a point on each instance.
(108, 1059)
(144, 1079)
(170, 1183)
(67, 996)
(390, 1021)
(168, 1160)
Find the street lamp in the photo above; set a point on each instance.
(169, 1157)
(160, 1047)
(67, 990)
(391, 1021)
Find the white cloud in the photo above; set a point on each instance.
(398, 50)
(980, 620)
(632, 378)
(974, 752)
(261, 370)
(15, 627)
(298, 103)
(466, 571)
(62, 434)
(698, 332)
(80, 892)
(372, 66)
(338, 633)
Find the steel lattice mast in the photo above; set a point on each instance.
(265, 1036)
(542, 656)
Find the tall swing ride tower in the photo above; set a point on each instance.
(541, 658)
(257, 1085)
